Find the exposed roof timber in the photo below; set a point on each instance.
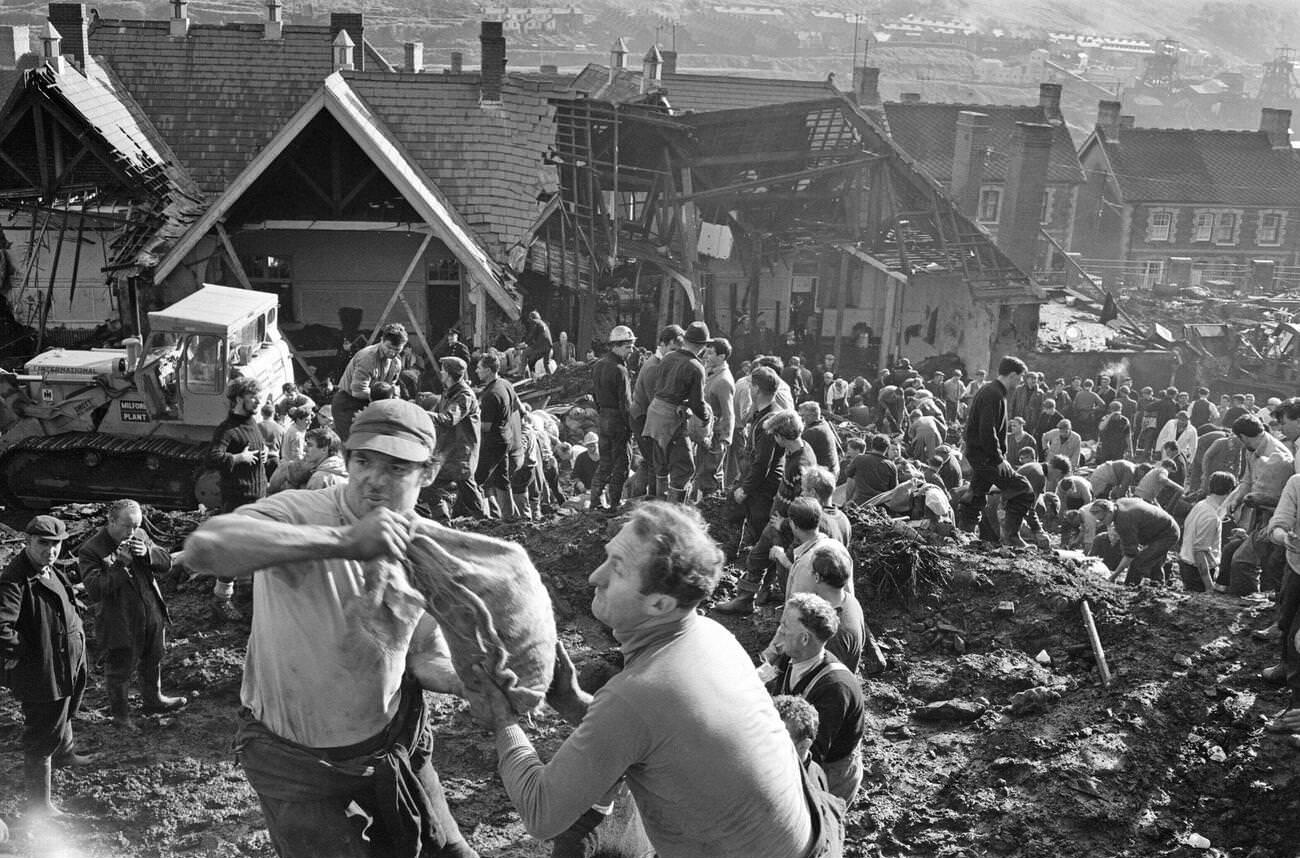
(774, 180)
(385, 152)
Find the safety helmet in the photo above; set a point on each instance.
(621, 334)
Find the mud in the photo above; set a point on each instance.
(1172, 753)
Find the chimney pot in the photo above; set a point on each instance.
(413, 53)
(343, 51)
(354, 23)
(492, 68)
(1276, 123)
(180, 23)
(1049, 98)
(1108, 118)
(274, 29)
(910, 98)
(457, 62)
(866, 83)
(74, 25)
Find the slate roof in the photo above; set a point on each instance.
(700, 93)
(219, 94)
(9, 79)
(487, 161)
(928, 132)
(1210, 167)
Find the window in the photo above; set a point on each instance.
(990, 205)
(444, 272)
(203, 364)
(274, 274)
(1270, 229)
(1160, 225)
(1204, 226)
(1225, 228)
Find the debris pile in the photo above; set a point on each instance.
(893, 561)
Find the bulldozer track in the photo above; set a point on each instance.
(86, 466)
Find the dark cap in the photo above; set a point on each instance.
(47, 526)
(697, 334)
(395, 427)
(453, 365)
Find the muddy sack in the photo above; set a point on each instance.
(492, 606)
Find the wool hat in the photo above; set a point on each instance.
(697, 334)
(396, 428)
(47, 526)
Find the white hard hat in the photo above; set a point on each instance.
(621, 334)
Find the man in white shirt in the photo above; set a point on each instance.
(1199, 554)
(1181, 431)
(1063, 441)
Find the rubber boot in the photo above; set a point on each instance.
(1011, 530)
(118, 706)
(676, 495)
(521, 504)
(661, 487)
(506, 503)
(615, 497)
(151, 690)
(535, 506)
(597, 500)
(968, 519)
(36, 775)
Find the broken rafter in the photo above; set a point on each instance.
(774, 180)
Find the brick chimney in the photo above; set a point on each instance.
(1022, 196)
(968, 161)
(1276, 123)
(866, 83)
(1108, 118)
(179, 26)
(652, 67)
(344, 50)
(274, 28)
(52, 49)
(413, 57)
(492, 42)
(670, 62)
(355, 24)
(910, 98)
(1049, 98)
(15, 40)
(71, 22)
(457, 62)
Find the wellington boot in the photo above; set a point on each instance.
(1011, 534)
(36, 777)
(597, 500)
(118, 706)
(506, 503)
(742, 605)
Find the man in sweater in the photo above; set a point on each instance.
(807, 624)
(821, 436)
(1063, 441)
(871, 472)
(643, 391)
(1284, 531)
(686, 722)
(720, 396)
(381, 362)
(679, 390)
(456, 417)
(986, 450)
(1202, 544)
(238, 454)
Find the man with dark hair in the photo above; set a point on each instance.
(333, 717)
(1114, 435)
(1202, 545)
(807, 624)
(1202, 410)
(986, 450)
(819, 484)
(43, 653)
(647, 380)
(679, 390)
(1145, 532)
(120, 566)
(456, 417)
(501, 447)
(381, 362)
(761, 478)
(820, 435)
(872, 472)
(539, 345)
(1287, 417)
(686, 722)
(612, 392)
(720, 396)
(238, 454)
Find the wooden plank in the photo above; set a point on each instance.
(13, 165)
(358, 188)
(42, 154)
(311, 183)
(773, 180)
(76, 257)
(236, 265)
(49, 290)
(397, 293)
(804, 154)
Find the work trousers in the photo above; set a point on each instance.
(645, 472)
(615, 434)
(844, 777)
(710, 468)
(345, 408)
(1149, 562)
(1017, 496)
(145, 652)
(47, 724)
(675, 460)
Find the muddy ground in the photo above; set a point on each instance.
(1173, 755)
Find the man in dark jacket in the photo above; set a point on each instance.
(612, 391)
(643, 390)
(501, 450)
(43, 655)
(680, 390)
(457, 421)
(872, 472)
(121, 566)
(238, 454)
(539, 344)
(821, 436)
(986, 450)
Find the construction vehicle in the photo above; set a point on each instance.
(137, 422)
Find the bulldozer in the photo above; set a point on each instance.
(137, 422)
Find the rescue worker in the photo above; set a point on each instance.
(456, 418)
(238, 454)
(720, 397)
(612, 391)
(537, 356)
(679, 390)
(501, 448)
(381, 362)
(120, 566)
(647, 378)
(334, 736)
(43, 656)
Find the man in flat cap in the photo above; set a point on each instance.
(43, 657)
(457, 420)
(679, 391)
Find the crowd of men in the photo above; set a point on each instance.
(719, 757)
